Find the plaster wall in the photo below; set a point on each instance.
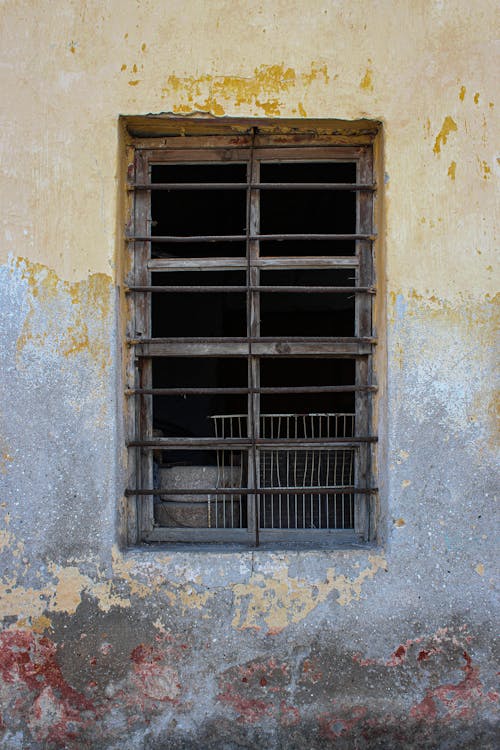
(387, 646)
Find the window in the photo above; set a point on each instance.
(251, 342)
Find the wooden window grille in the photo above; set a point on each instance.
(251, 341)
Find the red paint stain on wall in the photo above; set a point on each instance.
(257, 690)
(58, 711)
(311, 671)
(398, 656)
(32, 660)
(289, 715)
(250, 710)
(450, 701)
(423, 655)
(154, 679)
(332, 726)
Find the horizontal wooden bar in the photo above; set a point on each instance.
(197, 535)
(198, 151)
(186, 491)
(265, 289)
(261, 348)
(303, 536)
(332, 139)
(221, 536)
(334, 186)
(243, 238)
(271, 262)
(197, 264)
(235, 391)
(308, 262)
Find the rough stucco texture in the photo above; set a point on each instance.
(391, 646)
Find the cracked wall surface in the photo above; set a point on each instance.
(391, 645)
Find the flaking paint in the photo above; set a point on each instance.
(264, 90)
(275, 599)
(449, 126)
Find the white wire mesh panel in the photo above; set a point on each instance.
(308, 471)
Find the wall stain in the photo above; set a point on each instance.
(301, 109)
(366, 82)
(449, 125)
(485, 169)
(263, 90)
(63, 590)
(452, 170)
(277, 600)
(450, 701)
(317, 72)
(467, 311)
(257, 690)
(62, 313)
(62, 594)
(5, 458)
(57, 712)
(461, 95)
(288, 691)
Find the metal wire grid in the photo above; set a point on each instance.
(312, 469)
(228, 510)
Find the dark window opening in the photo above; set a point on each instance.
(182, 213)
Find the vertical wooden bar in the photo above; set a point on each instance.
(253, 331)
(142, 322)
(130, 377)
(363, 306)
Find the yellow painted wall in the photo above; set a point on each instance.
(426, 69)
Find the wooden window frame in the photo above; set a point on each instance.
(253, 147)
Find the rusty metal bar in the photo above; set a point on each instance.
(259, 339)
(347, 186)
(341, 490)
(211, 443)
(320, 442)
(193, 289)
(187, 443)
(243, 391)
(243, 238)
(272, 289)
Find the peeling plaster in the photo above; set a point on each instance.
(42, 326)
(276, 600)
(264, 90)
(449, 126)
